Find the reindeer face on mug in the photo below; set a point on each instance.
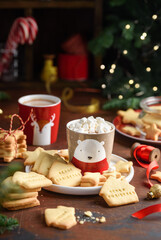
(42, 130)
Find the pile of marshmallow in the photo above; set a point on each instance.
(90, 125)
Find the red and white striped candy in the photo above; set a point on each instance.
(33, 29)
(19, 32)
(23, 30)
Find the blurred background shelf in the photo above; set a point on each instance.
(57, 20)
(47, 4)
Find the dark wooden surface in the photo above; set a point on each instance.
(119, 223)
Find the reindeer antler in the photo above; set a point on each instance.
(33, 117)
(52, 118)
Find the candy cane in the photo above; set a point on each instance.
(33, 29)
(23, 30)
(19, 33)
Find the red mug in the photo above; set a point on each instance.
(44, 113)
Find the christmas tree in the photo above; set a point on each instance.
(130, 45)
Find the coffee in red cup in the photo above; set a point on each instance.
(44, 113)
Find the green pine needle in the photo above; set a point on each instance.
(7, 223)
(4, 96)
(122, 103)
(9, 170)
(121, 43)
(4, 173)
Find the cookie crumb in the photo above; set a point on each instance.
(81, 222)
(88, 213)
(88, 216)
(102, 219)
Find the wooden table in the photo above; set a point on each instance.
(119, 223)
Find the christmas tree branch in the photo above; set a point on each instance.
(7, 223)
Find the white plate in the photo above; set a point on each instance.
(138, 139)
(86, 190)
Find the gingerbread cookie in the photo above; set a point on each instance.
(91, 179)
(114, 174)
(123, 167)
(12, 146)
(61, 217)
(156, 176)
(31, 156)
(133, 131)
(152, 118)
(65, 174)
(130, 116)
(152, 132)
(21, 203)
(118, 192)
(31, 180)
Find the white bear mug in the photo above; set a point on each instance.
(90, 152)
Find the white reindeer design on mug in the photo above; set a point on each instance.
(42, 130)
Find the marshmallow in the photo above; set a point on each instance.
(91, 125)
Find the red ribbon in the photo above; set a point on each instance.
(147, 211)
(141, 153)
(153, 165)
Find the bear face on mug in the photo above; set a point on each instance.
(90, 151)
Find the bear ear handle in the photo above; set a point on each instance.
(79, 141)
(102, 143)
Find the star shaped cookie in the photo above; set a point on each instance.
(156, 176)
(31, 156)
(130, 116)
(92, 179)
(114, 174)
(152, 132)
(122, 166)
(131, 130)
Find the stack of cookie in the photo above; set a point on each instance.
(13, 146)
(23, 190)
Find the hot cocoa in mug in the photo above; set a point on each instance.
(44, 113)
(90, 143)
(39, 102)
